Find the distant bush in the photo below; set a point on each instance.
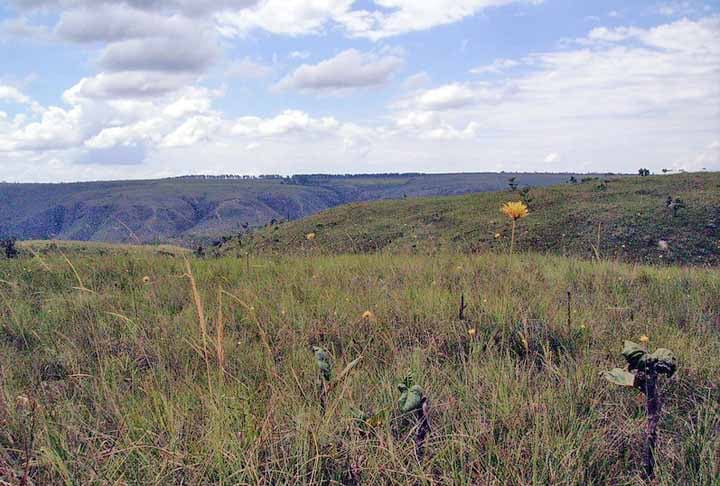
(9, 247)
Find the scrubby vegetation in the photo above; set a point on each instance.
(122, 369)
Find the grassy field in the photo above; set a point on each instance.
(625, 219)
(124, 370)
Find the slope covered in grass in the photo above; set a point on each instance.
(628, 217)
(125, 395)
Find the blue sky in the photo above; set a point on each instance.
(101, 89)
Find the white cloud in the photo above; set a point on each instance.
(388, 18)
(11, 93)
(288, 121)
(160, 54)
(446, 97)
(132, 84)
(283, 17)
(550, 158)
(349, 69)
(498, 66)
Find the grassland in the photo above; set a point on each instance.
(128, 388)
(625, 219)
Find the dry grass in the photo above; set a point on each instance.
(127, 393)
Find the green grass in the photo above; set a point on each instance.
(94, 248)
(628, 217)
(125, 395)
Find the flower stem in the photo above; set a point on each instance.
(512, 238)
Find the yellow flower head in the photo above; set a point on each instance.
(368, 315)
(497, 235)
(644, 340)
(515, 210)
(310, 236)
(472, 332)
(146, 279)
(22, 402)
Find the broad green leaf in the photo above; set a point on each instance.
(619, 377)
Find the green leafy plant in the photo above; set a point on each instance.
(642, 372)
(414, 405)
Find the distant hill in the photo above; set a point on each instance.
(625, 218)
(197, 208)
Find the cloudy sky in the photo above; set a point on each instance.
(110, 89)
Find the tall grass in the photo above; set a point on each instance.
(126, 391)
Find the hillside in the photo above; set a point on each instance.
(184, 210)
(627, 216)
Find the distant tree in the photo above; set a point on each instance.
(513, 184)
(9, 248)
(644, 172)
(525, 196)
(200, 251)
(572, 180)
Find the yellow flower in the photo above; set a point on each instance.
(146, 279)
(368, 316)
(471, 332)
(22, 402)
(515, 210)
(644, 340)
(310, 236)
(497, 235)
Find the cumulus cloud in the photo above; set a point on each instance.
(160, 54)
(11, 93)
(379, 20)
(131, 84)
(349, 69)
(446, 97)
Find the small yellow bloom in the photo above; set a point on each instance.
(471, 332)
(497, 235)
(368, 316)
(310, 236)
(644, 340)
(525, 344)
(515, 210)
(146, 279)
(22, 402)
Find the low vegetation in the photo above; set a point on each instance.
(145, 369)
(627, 219)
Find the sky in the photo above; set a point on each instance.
(130, 89)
